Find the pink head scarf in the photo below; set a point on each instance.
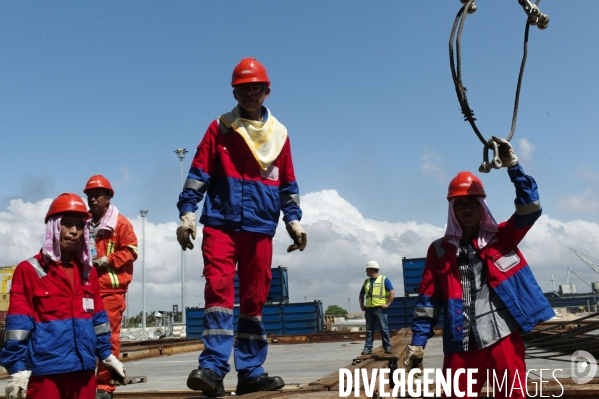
(487, 229)
(51, 248)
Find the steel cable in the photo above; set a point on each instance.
(456, 70)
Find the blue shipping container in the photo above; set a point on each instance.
(279, 319)
(412, 274)
(279, 286)
(401, 313)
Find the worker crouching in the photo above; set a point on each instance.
(56, 324)
(479, 279)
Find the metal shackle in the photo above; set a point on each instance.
(486, 166)
(535, 16)
(472, 7)
(542, 21)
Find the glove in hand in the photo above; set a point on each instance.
(100, 262)
(16, 388)
(116, 369)
(506, 152)
(187, 228)
(298, 235)
(414, 356)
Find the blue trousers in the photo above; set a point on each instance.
(373, 316)
(252, 254)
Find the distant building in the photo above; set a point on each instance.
(355, 315)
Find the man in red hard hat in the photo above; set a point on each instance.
(56, 325)
(478, 278)
(114, 249)
(243, 169)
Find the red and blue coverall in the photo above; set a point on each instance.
(240, 215)
(508, 276)
(55, 330)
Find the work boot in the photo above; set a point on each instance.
(102, 394)
(365, 352)
(207, 381)
(389, 351)
(261, 383)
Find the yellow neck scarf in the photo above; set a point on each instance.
(264, 139)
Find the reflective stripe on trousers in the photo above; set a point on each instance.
(251, 253)
(218, 337)
(251, 346)
(115, 305)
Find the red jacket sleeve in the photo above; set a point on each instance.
(125, 251)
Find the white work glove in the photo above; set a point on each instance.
(506, 152)
(100, 262)
(116, 369)
(297, 234)
(186, 228)
(16, 388)
(414, 356)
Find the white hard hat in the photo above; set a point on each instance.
(372, 265)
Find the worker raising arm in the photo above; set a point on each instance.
(478, 277)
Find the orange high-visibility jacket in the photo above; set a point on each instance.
(120, 247)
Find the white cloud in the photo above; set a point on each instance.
(124, 178)
(588, 175)
(22, 230)
(546, 249)
(587, 202)
(525, 149)
(431, 165)
(340, 242)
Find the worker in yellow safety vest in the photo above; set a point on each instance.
(379, 294)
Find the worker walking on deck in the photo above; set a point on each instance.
(379, 294)
(56, 325)
(481, 282)
(114, 249)
(244, 169)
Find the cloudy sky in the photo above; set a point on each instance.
(365, 91)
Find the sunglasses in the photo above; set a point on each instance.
(254, 89)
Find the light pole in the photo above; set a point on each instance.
(127, 307)
(181, 154)
(348, 308)
(143, 267)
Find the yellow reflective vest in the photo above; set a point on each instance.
(376, 294)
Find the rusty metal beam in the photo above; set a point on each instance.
(555, 325)
(146, 350)
(545, 336)
(328, 386)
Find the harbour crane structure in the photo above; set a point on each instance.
(594, 285)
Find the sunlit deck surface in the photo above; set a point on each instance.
(300, 364)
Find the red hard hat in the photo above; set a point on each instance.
(464, 184)
(98, 181)
(67, 203)
(249, 70)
